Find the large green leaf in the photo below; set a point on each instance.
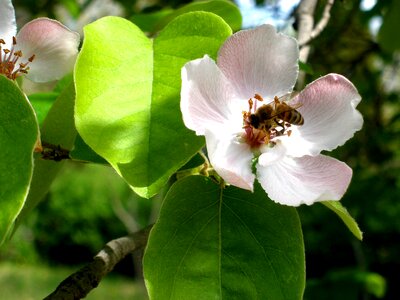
(58, 129)
(216, 243)
(18, 135)
(128, 91)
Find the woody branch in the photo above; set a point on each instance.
(80, 283)
(306, 29)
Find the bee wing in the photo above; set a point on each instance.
(296, 106)
(283, 101)
(286, 108)
(288, 97)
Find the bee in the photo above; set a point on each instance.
(274, 114)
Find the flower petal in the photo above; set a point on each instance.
(308, 179)
(330, 116)
(231, 159)
(55, 48)
(8, 26)
(260, 61)
(207, 98)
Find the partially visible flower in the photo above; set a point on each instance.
(219, 101)
(43, 49)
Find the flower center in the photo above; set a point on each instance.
(263, 124)
(10, 60)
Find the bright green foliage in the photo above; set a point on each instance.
(342, 213)
(58, 129)
(224, 243)
(133, 120)
(18, 135)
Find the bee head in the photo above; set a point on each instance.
(254, 121)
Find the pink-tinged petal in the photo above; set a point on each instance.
(304, 180)
(207, 98)
(231, 159)
(55, 48)
(8, 27)
(260, 61)
(330, 116)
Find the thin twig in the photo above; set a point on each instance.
(123, 215)
(80, 283)
(321, 24)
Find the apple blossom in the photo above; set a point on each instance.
(44, 49)
(219, 100)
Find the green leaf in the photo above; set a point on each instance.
(58, 129)
(342, 213)
(18, 135)
(389, 31)
(127, 107)
(213, 243)
(42, 103)
(63, 83)
(195, 162)
(225, 9)
(306, 68)
(81, 151)
(148, 21)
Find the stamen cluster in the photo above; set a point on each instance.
(267, 122)
(9, 61)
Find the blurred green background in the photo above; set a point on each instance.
(88, 205)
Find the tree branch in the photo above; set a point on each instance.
(79, 284)
(307, 31)
(321, 24)
(305, 16)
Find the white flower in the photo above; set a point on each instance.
(43, 49)
(215, 102)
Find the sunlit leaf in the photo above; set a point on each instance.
(216, 243)
(127, 107)
(343, 214)
(18, 135)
